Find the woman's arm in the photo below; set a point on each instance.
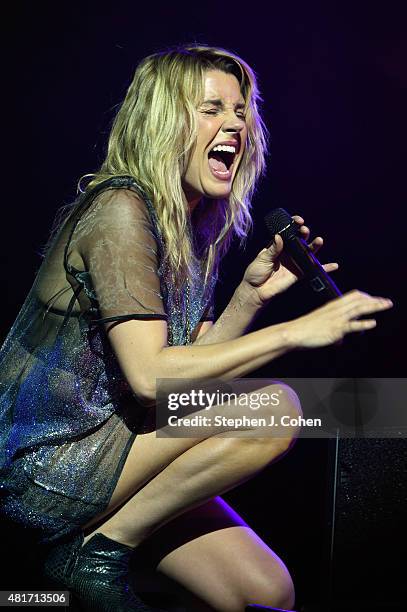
(126, 283)
(144, 355)
(235, 320)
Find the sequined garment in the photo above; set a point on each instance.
(68, 417)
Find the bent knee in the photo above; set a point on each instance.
(290, 400)
(284, 415)
(289, 415)
(276, 590)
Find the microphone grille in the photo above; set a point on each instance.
(278, 221)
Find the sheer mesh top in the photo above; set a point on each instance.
(63, 398)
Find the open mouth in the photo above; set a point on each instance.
(221, 159)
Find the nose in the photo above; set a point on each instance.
(232, 123)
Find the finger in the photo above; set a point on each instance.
(368, 306)
(352, 301)
(298, 219)
(330, 267)
(353, 296)
(305, 232)
(278, 244)
(316, 244)
(275, 246)
(357, 326)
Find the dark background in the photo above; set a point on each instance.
(334, 81)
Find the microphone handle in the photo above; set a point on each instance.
(313, 272)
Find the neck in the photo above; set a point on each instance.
(192, 200)
(192, 205)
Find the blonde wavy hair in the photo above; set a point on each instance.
(152, 138)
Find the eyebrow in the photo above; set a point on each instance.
(219, 103)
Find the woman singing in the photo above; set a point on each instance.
(123, 297)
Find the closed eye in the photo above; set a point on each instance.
(210, 111)
(215, 111)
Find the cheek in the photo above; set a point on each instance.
(208, 128)
(243, 135)
(245, 143)
(193, 170)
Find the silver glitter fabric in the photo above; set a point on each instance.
(68, 417)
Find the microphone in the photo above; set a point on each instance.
(278, 221)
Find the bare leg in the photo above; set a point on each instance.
(200, 470)
(215, 561)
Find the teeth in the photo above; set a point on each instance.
(226, 148)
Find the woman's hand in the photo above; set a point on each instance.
(331, 322)
(272, 272)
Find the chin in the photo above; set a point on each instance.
(220, 192)
(221, 195)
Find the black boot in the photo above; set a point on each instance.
(96, 573)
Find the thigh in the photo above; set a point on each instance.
(213, 554)
(150, 454)
(147, 457)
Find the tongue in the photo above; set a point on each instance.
(216, 163)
